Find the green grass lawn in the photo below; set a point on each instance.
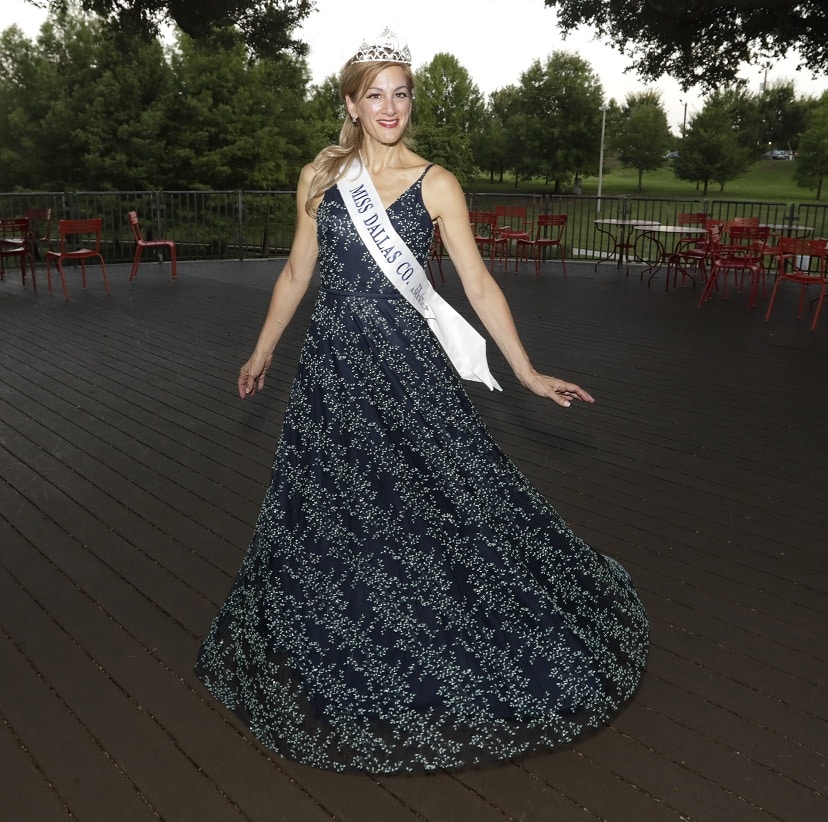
(767, 180)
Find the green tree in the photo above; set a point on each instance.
(86, 108)
(449, 109)
(239, 123)
(782, 114)
(447, 96)
(123, 138)
(704, 41)
(490, 140)
(83, 111)
(555, 122)
(327, 110)
(711, 150)
(69, 52)
(812, 159)
(266, 26)
(20, 67)
(643, 135)
(448, 147)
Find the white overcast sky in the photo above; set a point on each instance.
(494, 40)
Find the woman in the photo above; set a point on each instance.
(409, 601)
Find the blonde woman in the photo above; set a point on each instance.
(409, 602)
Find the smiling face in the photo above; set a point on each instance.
(384, 106)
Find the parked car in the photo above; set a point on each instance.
(671, 155)
(779, 154)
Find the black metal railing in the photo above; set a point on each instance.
(259, 224)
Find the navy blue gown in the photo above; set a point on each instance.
(409, 601)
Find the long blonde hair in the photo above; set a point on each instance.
(329, 164)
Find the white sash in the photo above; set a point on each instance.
(465, 347)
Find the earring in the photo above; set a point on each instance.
(353, 119)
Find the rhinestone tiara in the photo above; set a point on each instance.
(387, 49)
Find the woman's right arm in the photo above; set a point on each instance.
(290, 287)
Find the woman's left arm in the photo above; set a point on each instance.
(446, 202)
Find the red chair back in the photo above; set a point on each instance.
(135, 226)
(512, 220)
(752, 237)
(43, 218)
(692, 218)
(547, 221)
(482, 218)
(739, 222)
(794, 251)
(71, 232)
(14, 228)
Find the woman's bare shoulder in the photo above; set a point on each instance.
(441, 191)
(306, 175)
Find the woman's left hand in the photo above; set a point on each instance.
(558, 390)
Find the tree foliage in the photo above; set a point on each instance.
(711, 150)
(553, 120)
(81, 108)
(781, 115)
(448, 110)
(266, 26)
(489, 142)
(327, 110)
(643, 136)
(704, 42)
(812, 160)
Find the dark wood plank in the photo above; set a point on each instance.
(27, 791)
(132, 475)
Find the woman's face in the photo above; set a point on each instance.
(383, 108)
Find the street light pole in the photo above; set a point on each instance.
(604, 109)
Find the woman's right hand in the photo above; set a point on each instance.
(252, 374)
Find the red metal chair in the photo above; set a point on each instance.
(488, 237)
(15, 242)
(549, 231)
(141, 244)
(513, 225)
(40, 226)
(793, 254)
(72, 234)
(744, 253)
(691, 251)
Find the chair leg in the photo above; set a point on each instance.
(753, 297)
(103, 271)
(818, 307)
(135, 262)
(772, 300)
(63, 279)
(709, 285)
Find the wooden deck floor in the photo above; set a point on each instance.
(132, 475)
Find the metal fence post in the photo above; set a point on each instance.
(239, 207)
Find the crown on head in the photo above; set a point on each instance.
(387, 49)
